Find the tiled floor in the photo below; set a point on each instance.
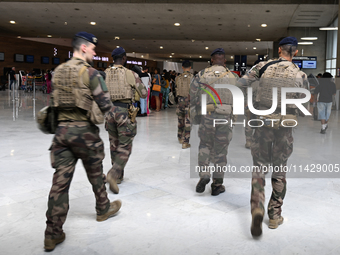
(161, 213)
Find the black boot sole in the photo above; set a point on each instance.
(200, 187)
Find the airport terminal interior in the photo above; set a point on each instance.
(161, 211)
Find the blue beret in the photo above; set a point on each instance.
(88, 37)
(218, 51)
(117, 51)
(290, 40)
(186, 63)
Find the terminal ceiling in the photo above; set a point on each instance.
(143, 26)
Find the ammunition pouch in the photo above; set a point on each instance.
(220, 109)
(271, 121)
(224, 109)
(133, 113)
(275, 121)
(289, 120)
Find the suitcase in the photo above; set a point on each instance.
(153, 101)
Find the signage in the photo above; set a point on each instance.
(100, 58)
(309, 64)
(243, 64)
(305, 58)
(45, 60)
(18, 58)
(56, 61)
(135, 62)
(29, 58)
(237, 61)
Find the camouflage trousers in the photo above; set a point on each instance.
(121, 134)
(248, 130)
(182, 112)
(270, 147)
(213, 147)
(73, 141)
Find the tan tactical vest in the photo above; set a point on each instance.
(183, 84)
(119, 81)
(278, 75)
(218, 75)
(69, 89)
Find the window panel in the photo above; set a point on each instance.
(333, 63)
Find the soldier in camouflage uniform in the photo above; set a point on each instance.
(248, 130)
(79, 89)
(122, 84)
(272, 147)
(214, 141)
(183, 91)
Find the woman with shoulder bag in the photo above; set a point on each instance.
(156, 88)
(166, 89)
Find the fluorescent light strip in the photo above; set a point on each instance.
(328, 28)
(305, 43)
(309, 38)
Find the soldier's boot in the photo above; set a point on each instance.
(49, 244)
(256, 223)
(275, 223)
(113, 184)
(113, 209)
(216, 190)
(186, 145)
(248, 144)
(180, 140)
(200, 187)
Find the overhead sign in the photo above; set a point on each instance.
(305, 58)
(100, 58)
(134, 62)
(70, 55)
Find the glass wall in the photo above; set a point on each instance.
(331, 51)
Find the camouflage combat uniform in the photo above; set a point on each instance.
(77, 138)
(248, 131)
(214, 141)
(183, 106)
(271, 147)
(119, 126)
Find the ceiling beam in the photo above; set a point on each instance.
(323, 2)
